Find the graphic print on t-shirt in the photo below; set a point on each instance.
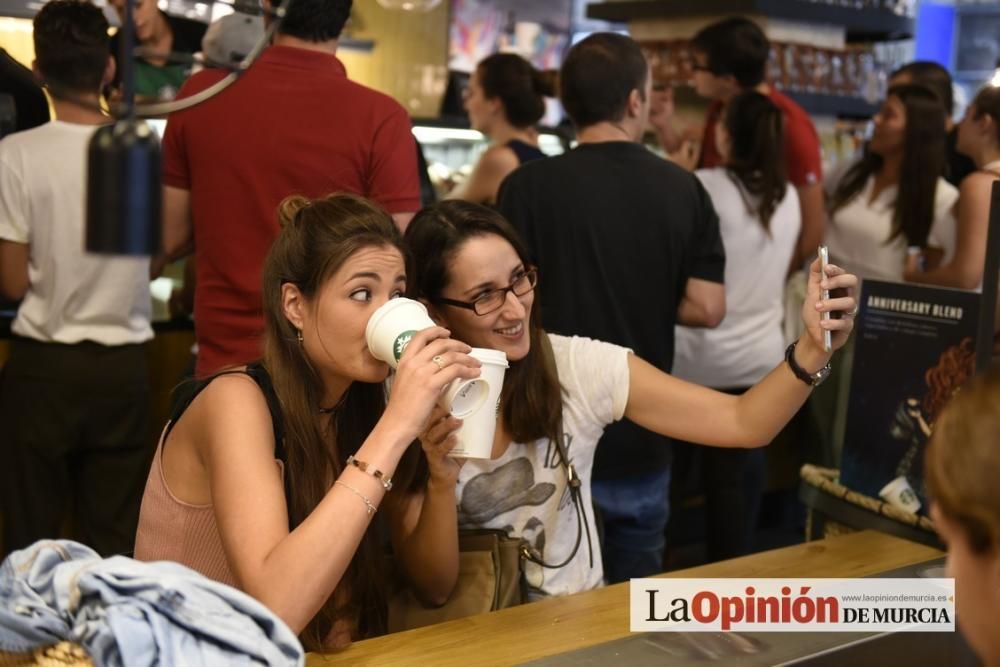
(490, 494)
(512, 485)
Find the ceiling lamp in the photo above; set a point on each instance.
(410, 5)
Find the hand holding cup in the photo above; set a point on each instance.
(437, 441)
(430, 362)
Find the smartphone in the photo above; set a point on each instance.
(824, 259)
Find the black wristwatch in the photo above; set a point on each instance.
(811, 379)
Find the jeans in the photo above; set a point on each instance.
(634, 513)
(124, 612)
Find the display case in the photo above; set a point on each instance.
(450, 149)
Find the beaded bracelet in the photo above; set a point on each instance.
(386, 482)
(368, 504)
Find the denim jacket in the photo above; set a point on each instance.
(126, 612)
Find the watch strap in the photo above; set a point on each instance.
(811, 379)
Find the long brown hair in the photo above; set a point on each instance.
(532, 399)
(923, 164)
(962, 466)
(317, 237)
(757, 151)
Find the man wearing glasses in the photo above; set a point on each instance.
(728, 58)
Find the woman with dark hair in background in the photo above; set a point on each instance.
(252, 484)
(759, 219)
(936, 78)
(893, 199)
(472, 271)
(505, 99)
(895, 196)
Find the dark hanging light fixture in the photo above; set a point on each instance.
(123, 164)
(123, 159)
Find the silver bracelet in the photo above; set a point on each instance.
(368, 504)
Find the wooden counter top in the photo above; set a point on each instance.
(559, 625)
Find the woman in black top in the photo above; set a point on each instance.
(505, 98)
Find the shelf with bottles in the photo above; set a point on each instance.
(863, 20)
(451, 148)
(845, 82)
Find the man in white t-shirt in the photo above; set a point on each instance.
(74, 396)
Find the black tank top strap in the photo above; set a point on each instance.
(258, 374)
(525, 152)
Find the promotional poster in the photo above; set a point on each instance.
(915, 346)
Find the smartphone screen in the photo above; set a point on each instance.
(824, 259)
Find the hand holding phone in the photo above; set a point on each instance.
(824, 259)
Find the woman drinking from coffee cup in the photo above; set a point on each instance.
(472, 272)
(269, 478)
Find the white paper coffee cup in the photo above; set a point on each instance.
(899, 493)
(475, 435)
(391, 327)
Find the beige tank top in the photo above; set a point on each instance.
(171, 529)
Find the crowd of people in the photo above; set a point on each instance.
(638, 300)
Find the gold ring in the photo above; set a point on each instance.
(439, 361)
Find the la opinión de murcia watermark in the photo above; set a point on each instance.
(792, 605)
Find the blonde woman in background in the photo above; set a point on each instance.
(962, 468)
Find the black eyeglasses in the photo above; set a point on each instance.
(494, 299)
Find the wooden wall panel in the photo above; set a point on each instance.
(410, 58)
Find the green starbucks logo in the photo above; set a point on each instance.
(402, 340)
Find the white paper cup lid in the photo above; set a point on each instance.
(488, 356)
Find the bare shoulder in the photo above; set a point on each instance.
(977, 182)
(231, 412)
(499, 158)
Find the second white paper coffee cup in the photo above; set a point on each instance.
(391, 327)
(899, 493)
(475, 436)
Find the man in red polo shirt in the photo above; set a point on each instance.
(729, 57)
(292, 124)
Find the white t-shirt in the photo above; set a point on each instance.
(749, 343)
(524, 491)
(72, 296)
(857, 233)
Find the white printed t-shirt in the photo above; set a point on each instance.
(525, 492)
(72, 296)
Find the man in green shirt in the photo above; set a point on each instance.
(158, 34)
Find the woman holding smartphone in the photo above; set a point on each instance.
(473, 274)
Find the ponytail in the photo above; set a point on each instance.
(757, 151)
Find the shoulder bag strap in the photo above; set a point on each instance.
(574, 483)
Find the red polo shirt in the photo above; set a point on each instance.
(292, 124)
(802, 152)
